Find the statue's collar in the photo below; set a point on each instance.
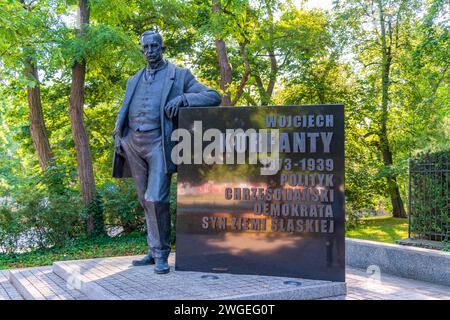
(161, 65)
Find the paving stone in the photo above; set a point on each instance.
(116, 278)
(362, 286)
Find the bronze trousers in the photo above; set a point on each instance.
(144, 154)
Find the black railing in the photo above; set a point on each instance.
(428, 200)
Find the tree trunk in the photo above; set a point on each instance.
(76, 102)
(398, 209)
(37, 124)
(224, 64)
(272, 75)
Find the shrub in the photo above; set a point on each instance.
(50, 219)
(352, 218)
(96, 210)
(40, 221)
(43, 211)
(121, 205)
(11, 230)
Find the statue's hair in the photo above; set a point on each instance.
(152, 33)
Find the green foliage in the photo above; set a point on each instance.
(447, 247)
(95, 210)
(418, 106)
(50, 219)
(439, 157)
(44, 212)
(11, 229)
(352, 218)
(30, 30)
(122, 207)
(82, 248)
(310, 56)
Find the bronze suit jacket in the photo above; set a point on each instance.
(178, 81)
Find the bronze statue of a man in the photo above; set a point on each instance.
(142, 135)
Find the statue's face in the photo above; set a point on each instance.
(152, 48)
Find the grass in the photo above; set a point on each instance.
(133, 244)
(382, 229)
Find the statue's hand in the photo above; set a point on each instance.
(173, 106)
(118, 145)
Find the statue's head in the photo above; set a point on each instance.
(152, 46)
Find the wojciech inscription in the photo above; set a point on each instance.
(234, 217)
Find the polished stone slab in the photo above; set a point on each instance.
(232, 218)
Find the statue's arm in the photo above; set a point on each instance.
(196, 94)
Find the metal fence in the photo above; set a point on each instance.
(428, 198)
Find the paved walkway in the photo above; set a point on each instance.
(114, 278)
(361, 286)
(117, 279)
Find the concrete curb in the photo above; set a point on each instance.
(407, 262)
(320, 291)
(17, 281)
(23, 286)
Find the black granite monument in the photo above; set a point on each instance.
(232, 218)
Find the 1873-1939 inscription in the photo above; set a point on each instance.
(235, 217)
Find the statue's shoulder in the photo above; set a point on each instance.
(179, 70)
(183, 74)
